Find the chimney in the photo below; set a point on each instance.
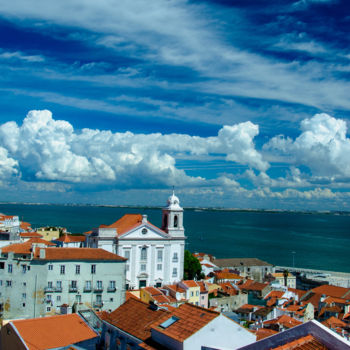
(42, 254)
(144, 219)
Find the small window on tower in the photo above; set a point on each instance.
(175, 221)
(165, 220)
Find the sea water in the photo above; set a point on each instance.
(309, 240)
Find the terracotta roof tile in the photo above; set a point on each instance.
(275, 294)
(53, 331)
(30, 234)
(285, 321)
(135, 318)
(24, 248)
(190, 319)
(304, 343)
(190, 283)
(332, 291)
(175, 288)
(78, 254)
(70, 238)
(263, 333)
(334, 322)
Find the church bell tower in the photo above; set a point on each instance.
(172, 221)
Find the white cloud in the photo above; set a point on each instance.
(48, 149)
(8, 166)
(322, 146)
(21, 56)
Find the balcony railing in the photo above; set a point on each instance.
(58, 289)
(111, 289)
(87, 289)
(73, 289)
(98, 289)
(49, 289)
(97, 304)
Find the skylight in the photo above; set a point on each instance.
(169, 322)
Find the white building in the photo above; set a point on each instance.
(36, 280)
(155, 255)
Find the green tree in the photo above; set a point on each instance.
(192, 267)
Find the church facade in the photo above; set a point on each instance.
(155, 255)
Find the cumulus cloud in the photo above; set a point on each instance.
(49, 149)
(322, 146)
(8, 166)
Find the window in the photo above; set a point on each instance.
(87, 285)
(48, 309)
(202, 297)
(127, 267)
(197, 293)
(175, 221)
(93, 269)
(159, 267)
(143, 253)
(175, 272)
(50, 267)
(78, 298)
(24, 304)
(127, 254)
(48, 298)
(192, 294)
(24, 295)
(99, 298)
(49, 284)
(74, 284)
(143, 267)
(9, 268)
(0, 282)
(8, 283)
(58, 298)
(24, 284)
(160, 255)
(99, 284)
(169, 322)
(62, 269)
(24, 268)
(28, 268)
(175, 257)
(77, 269)
(112, 284)
(58, 286)
(111, 300)
(2, 265)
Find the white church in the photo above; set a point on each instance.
(155, 255)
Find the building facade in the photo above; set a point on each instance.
(36, 280)
(155, 255)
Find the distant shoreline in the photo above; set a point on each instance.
(272, 211)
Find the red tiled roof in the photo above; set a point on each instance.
(30, 234)
(331, 300)
(190, 283)
(53, 331)
(24, 248)
(333, 309)
(298, 292)
(70, 238)
(190, 319)
(221, 275)
(304, 343)
(77, 254)
(175, 288)
(253, 286)
(275, 294)
(332, 291)
(334, 322)
(135, 318)
(263, 333)
(285, 321)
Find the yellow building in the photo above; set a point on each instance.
(192, 291)
(291, 279)
(50, 233)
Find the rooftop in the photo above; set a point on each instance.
(77, 254)
(53, 331)
(308, 342)
(184, 321)
(135, 318)
(332, 291)
(238, 262)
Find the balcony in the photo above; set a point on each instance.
(73, 289)
(97, 304)
(87, 289)
(98, 289)
(49, 289)
(111, 289)
(58, 289)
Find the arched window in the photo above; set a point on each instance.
(175, 221)
(165, 220)
(144, 253)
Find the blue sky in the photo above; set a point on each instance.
(235, 103)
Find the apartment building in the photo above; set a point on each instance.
(36, 280)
